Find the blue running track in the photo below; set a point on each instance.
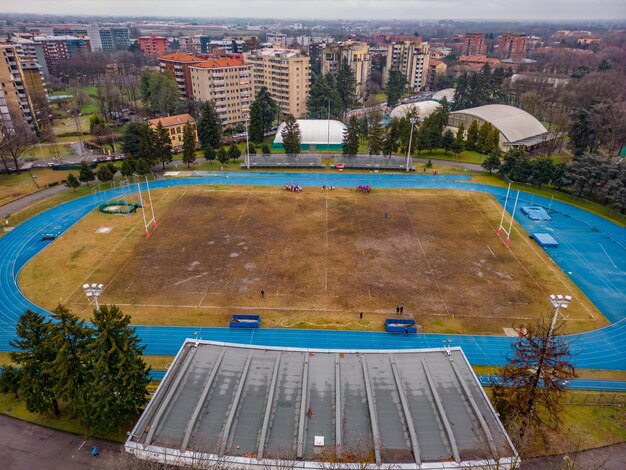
(592, 252)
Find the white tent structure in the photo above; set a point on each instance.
(422, 108)
(447, 93)
(320, 134)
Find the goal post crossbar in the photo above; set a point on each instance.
(501, 228)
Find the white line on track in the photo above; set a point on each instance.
(607, 255)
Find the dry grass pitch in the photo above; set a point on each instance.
(320, 257)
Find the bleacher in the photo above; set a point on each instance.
(372, 162)
(284, 161)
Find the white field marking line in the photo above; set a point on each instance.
(537, 253)
(79, 447)
(476, 229)
(130, 232)
(326, 256)
(491, 251)
(292, 309)
(607, 255)
(190, 279)
(243, 211)
(408, 215)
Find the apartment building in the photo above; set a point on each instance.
(31, 51)
(17, 109)
(436, 68)
(286, 74)
(178, 63)
(190, 44)
(356, 55)
(472, 44)
(412, 58)
(153, 45)
(57, 49)
(228, 46)
(228, 84)
(108, 39)
(277, 39)
(513, 46)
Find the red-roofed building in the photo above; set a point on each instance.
(175, 125)
(178, 63)
(436, 68)
(228, 83)
(153, 45)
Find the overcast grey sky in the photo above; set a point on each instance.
(332, 9)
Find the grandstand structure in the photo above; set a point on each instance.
(249, 406)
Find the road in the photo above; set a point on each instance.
(26, 446)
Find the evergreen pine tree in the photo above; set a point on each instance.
(447, 141)
(459, 140)
(162, 145)
(72, 181)
(128, 167)
(484, 133)
(117, 376)
(142, 167)
(35, 357)
(351, 137)
(376, 134)
(472, 136)
(104, 174)
(222, 156)
(346, 86)
(209, 126)
(323, 97)
(189, 145)
(395, 87)
(86, 174)
(392, 139)
(263, 113)
(68, 338)
(292, 137)
(209, 153)
(492, 162)
(233, 152)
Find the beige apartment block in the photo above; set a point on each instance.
(226, 82)
(412, 58)
(17, 107)
(286, 73)
(356, 55)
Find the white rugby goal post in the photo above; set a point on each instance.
(149, 221)
(501, 228)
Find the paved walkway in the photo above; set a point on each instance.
(605, 458)
(21, 203)
(27, 446)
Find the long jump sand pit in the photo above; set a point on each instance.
(320, 258)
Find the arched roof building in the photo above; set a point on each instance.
(517, 127)
(320, 134)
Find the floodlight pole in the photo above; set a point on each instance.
(408, 152)
(558, 301)
(247, 143)
(93, 291)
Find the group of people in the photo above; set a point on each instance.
(330, 188)
(296, 188)
(364, 189)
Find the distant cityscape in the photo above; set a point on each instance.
(229, 63)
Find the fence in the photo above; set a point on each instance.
(595, 398)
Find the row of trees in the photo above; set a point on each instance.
(94, 372)
(592, 176)
(478, 89)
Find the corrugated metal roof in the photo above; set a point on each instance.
(246, 404)
(514, 123)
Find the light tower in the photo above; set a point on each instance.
(93, 291)
(558, 301)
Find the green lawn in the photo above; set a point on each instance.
(47, 151)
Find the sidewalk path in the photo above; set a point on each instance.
(21, 203)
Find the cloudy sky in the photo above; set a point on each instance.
(332, 9)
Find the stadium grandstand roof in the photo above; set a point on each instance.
(316, 131)
(423, 109)
(514, 123)
(261, 407)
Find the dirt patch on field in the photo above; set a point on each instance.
(320, 258)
